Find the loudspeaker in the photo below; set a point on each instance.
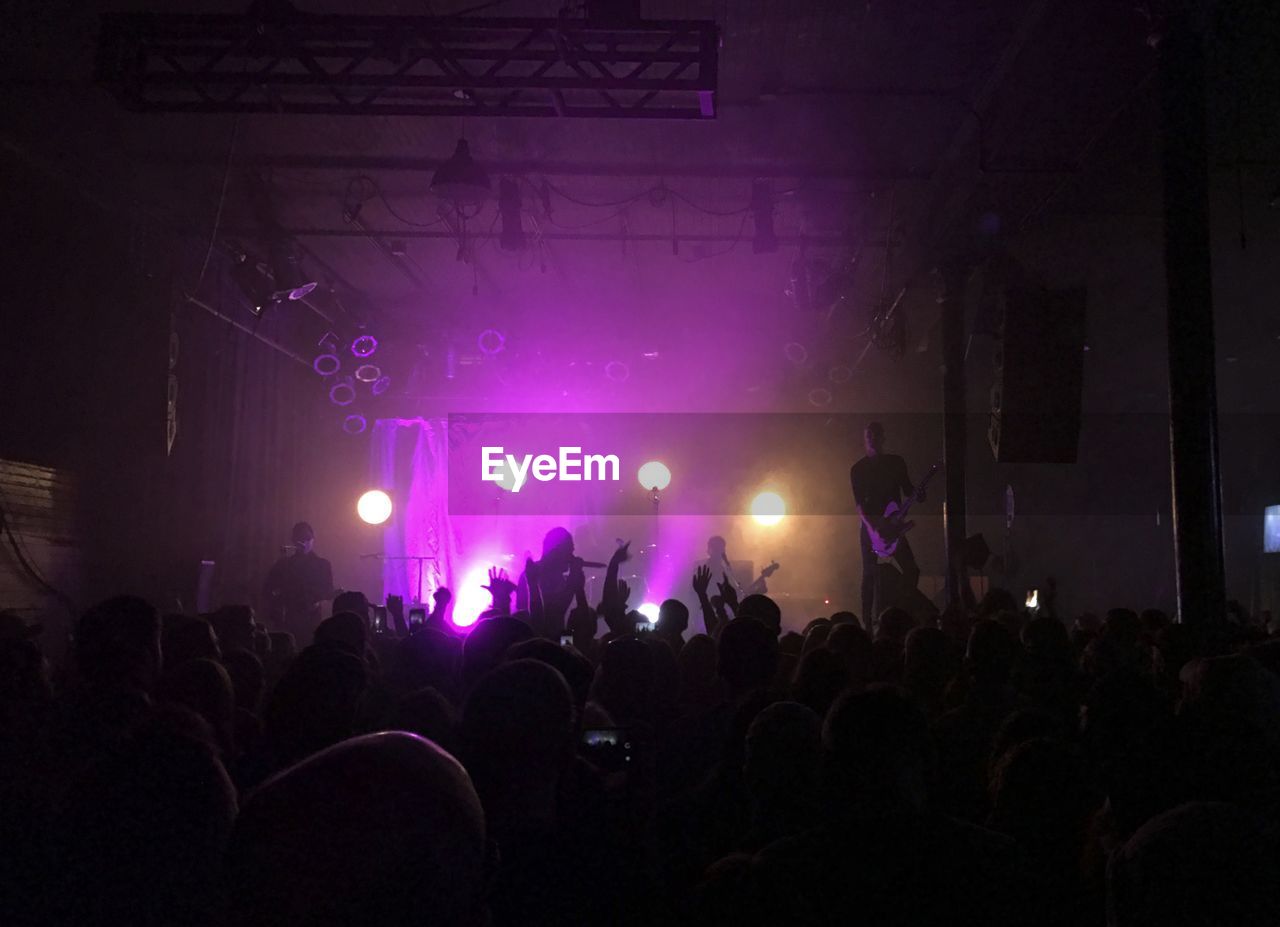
(1039, 366)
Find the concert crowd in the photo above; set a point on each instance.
(991, 765)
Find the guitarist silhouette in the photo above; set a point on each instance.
(880, 480)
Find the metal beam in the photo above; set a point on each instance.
(955, 439)
(274, 345)
(1193, 401)
(409, 65)
(391, 163)
(410, 233)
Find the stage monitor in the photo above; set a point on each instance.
(1271, 529)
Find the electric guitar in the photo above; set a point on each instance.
(894, 524)
(757, 587)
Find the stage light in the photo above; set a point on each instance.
(327, 362)
(768, 509)
(374, 507)
(840, 374)
(491, 342)
(460, 180)
(343, 393)
(471, 599)
(650, 611)
(287, 278)
(617, 371)
(381, 385)
(820, 397)
(654, 475)
(355, 424)
(795, 352)
(368, 373)
(364, 346)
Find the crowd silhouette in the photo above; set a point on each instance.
(558, 765)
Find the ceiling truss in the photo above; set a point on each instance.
(409, 65)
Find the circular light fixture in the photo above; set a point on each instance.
(650, 611)
(364, 346)
(368, 373)
(491, 342)
(654, 475)
(355, 424)
(617, 371)
(795, 352)
(768, 509)
(381, 385)
(326, 364)
(820, 397)
(374, 507)
(303, 291)
(343, 393)
(840, 374)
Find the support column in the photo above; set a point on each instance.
(1193, 407)
(955, 436)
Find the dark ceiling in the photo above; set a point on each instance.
(888, 131)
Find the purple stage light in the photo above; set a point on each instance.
(617, 371)
(840, 374)
(355, 424)
(650, 611)
(364, 346)
(795, 352)
(820, 397)
(326, 364)
(302, 292)
(381, 385)
(343, 393)
(491, 342)
(368, 373)
(471, 599)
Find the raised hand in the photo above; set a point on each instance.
(624, 593)
(622, 554)
(729, 594)
(701, 581)
(499, 583)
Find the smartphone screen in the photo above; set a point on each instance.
(643, 627)
(417, 617)
(379, 619)
(1033, 598)
(608, 748)
(566, 640)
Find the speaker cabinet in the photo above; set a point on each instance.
(1039, 368)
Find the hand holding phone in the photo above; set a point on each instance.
(607, 748)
